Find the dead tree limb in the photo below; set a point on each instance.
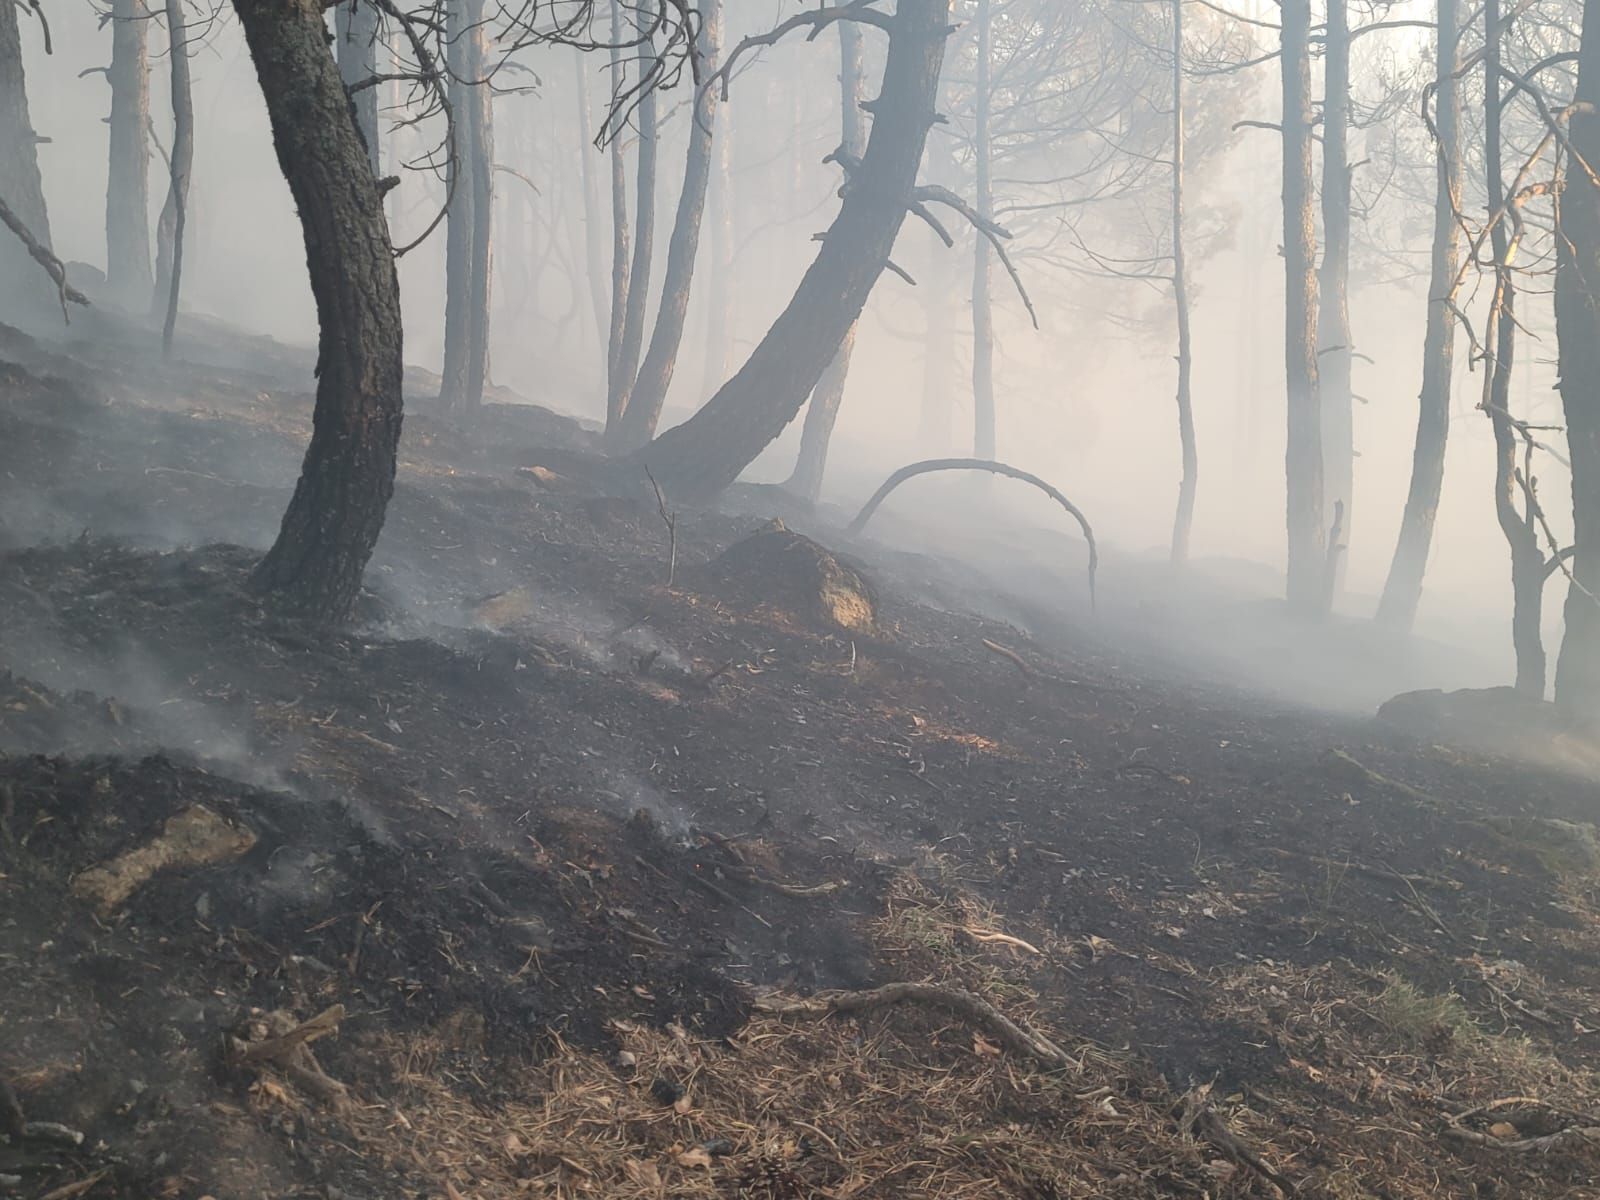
(1201, 1119)
(42, 256)
(1016, 1037)
(816, 19)
(994, 468)
(998, 235)
(670, 520)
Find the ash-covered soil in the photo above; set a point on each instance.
(543, 836)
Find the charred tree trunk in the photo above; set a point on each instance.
(1500, 332)
(1402, 591)
(128, 179)
(467, 232)
(643, 411)
(983, 407)
(20, 184)
(823, 412)
(644, 247)
(1303, 462)
(594, 252)
(175, 212)
(1183, 523)
(1333, 310)
(617, 380)
(356, 23)
(699, 458)
(1578, 328)
(333, 521)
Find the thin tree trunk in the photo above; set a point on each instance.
(356, 24)
(644, 247)
(823, 412)
(1303, 460)
(1333, 314)
(334, 519)
(20, 184)
(643, 412)
(180, 161)
(1500, 331)
(461, 177)
(1578, 329)
(983, 406)
(480, 106)
(618, 378)
(128, 274)
(594, 252)
(1183, 523)
(1402, 591)
(701, 457)
(175, 213)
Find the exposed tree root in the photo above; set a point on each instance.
(1019, 1038)
(994, 468)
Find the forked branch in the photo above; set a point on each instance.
(816, 20)
(41, 255)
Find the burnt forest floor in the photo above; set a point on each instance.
(540, 838)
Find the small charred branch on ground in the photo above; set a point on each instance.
(12, 1121)
(287, 1046)
(994, 468)
(1201, 1119)
(1010, 656)
(670, 520)
(41, 255)
(1016, 1037)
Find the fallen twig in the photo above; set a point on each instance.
(278, 1049)
(670, 520)
(69, 1190)
(1010, 655)
(1343, 763)
(49, 1131)
(1200, 1118)
(1017, 1037)
(992, 937)
(287, 1047)
(1587, 1134)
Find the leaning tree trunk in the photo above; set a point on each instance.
(333, 521)
(357, 23)
(983, 406)
(823, 411)
(175, 212)
(1183, 522)
(719, 309)
(128, 275)
(643, 411)
(1333, 311)
(459, 223)
(1402, 591)
(1500, 331)
(701, 457)
(1578, 331)
(20, 184)
(644, 247)
(1303, 461)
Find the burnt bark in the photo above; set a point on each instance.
(701, 457)
(1333, 305)
(1402, 591)
(333, 521)
(174, 212)
(128, 275)
(644, 246)
(1578, 330)
(20, 184)
(1307, 559)
(356, 25)
(1500, 332)
(643, 410)
(480, 163)
(719, 309)
(983, 406)
(1183, 521)
(823, 411)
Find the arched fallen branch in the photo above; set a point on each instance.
(1018, 1038)
(994, 468)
